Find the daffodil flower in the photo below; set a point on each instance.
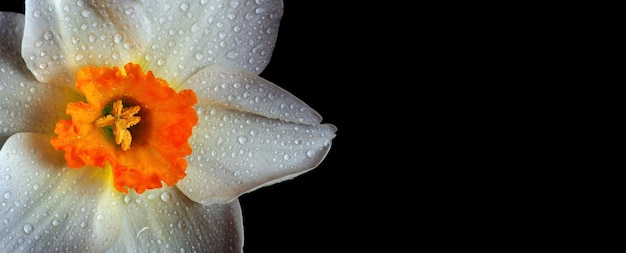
(134, 126)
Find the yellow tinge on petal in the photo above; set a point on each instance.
(131, 121)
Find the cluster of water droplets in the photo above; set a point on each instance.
(191, 35)
(251, 132)
(175, 38)
(62, 38)
(47, 207)
(165, 219)
(28, 106)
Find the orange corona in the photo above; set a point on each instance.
(131, 121)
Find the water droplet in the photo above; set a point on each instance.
(75, 40)
(7, 195)
(195, 28)
(243, 139)
(47, 35)
(166, 196)
(310, 153)
(232, 54)
(55, 222)
(129, 10)
(117, 38)
(83, 224)
(127, 199)
(28, 228)
(79, 57)
(184, 6)
(182, 225)
(100, 217)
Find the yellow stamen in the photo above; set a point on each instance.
(121, 119)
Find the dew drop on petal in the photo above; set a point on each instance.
(28, 228)
(117, 38)
(47, 35)
(182, 225)
(7, 195)
(184, 6)
(85, 13)
(166, 196)
(310, 153)
(199, 56)
(243, 139)
(232, 54)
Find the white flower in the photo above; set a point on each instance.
(87, 193)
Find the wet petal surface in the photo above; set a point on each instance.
(165, 220)
(62, 36)
(250, 134)
(190, 35)
(25, 104)
(47, 207)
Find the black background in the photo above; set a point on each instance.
(328, 208)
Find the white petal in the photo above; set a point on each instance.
(237, 89)
(190, 35)
(62, 36)
(236, 152)
(25, 104)
(165, 220)
(46, 207)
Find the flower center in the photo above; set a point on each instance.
(120, 119)
(158, 123)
